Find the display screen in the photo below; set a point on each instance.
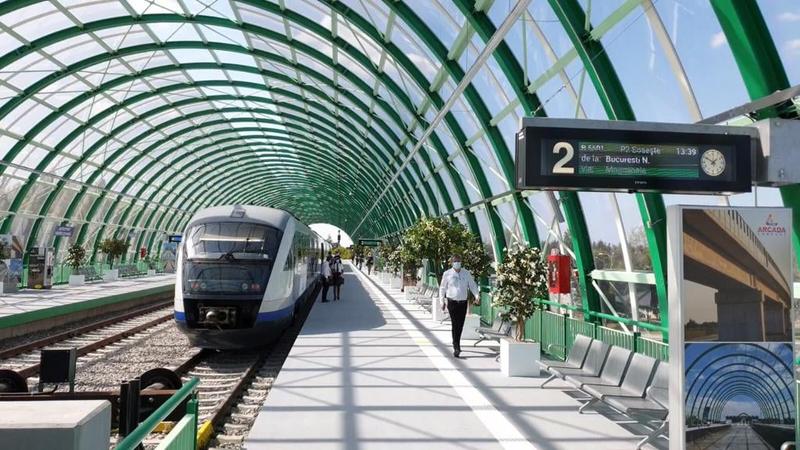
(608, 159)
(616, 159)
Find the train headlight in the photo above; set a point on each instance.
(245, 286)
(203, 286)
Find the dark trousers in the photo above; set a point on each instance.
(325, 289)
(458, 312)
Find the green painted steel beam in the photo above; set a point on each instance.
(155, 71)
(149, 18)
(175, 135)
(763, 73)
(530, 102)
(615, 102)
(86, 154)
(473, 99)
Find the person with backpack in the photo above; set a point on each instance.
(337, 278)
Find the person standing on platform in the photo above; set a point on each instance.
(326, 277)
(337, 278)
(455, 285)
(370, 261)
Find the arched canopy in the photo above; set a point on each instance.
(123, 117)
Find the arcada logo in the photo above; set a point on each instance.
(771, 227)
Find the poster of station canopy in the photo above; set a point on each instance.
(731, 327)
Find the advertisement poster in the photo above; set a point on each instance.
(731, 334)
(10, 259)
(169, 252)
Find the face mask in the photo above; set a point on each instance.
(457, 265)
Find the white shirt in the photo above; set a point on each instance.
(455, 285)
(326, 269)
(336, 267)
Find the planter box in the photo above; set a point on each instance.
(151, 272)
(396, 283)
(384, 277)
(436, 310)
(518, 359)
(111, 275)
(8, 287)
(77, 280)
(471, 323)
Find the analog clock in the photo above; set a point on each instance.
(712, 162)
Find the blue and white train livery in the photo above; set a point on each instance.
(242, 274)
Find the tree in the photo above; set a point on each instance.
(436, 240)
(113, 248)
(343, 252)
(76, 256)
(521, 277)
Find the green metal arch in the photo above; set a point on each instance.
(93, 26)
(199, 114)
(158, 92)
(157, 70)
(615, 101)
(762, 72)
(158, 143)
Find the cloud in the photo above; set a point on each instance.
(793, 46)
(423, 64)
(789, 16)
(718, 40)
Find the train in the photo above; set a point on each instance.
(242, 274)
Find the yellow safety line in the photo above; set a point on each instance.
(204, 434)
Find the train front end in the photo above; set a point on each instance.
(224, 267)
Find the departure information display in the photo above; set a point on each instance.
(634, 159)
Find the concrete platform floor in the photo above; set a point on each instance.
(28, 300)
(373, 372)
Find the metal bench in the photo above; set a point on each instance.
(611, 374)
(130, 271)
(576, 359)
(634, 382)
(500, 328)
(90, 275)
(652, 408)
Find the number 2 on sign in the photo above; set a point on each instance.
(558, 167)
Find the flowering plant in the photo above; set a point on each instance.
(520, 278)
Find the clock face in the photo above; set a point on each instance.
(712, 162)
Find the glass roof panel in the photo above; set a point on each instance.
(705, 55)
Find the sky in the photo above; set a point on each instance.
(327, 230)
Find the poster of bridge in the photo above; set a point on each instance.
(732, 345)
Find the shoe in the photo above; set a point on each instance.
(325, 301)
(456, 353)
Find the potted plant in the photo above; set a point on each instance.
(76, 257)
(521, 277)
(150, 262)
(113, 248)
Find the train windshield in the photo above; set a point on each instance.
(225, 278)
(232, 241)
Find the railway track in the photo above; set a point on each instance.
(234, 385)
(89, 339)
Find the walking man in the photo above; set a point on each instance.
(369, 264)
(326, 278)
(456, 283)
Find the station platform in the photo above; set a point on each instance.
(374, 372)
(20, 311)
